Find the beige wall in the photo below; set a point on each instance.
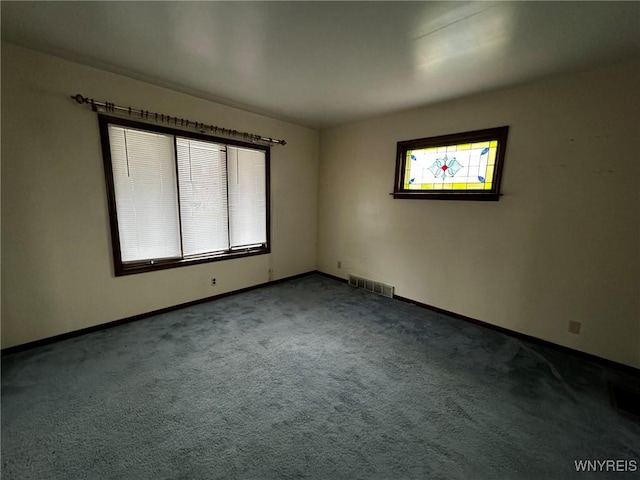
(57, 272)
(562, 243)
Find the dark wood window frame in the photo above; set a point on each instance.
(127, 268)
(498, 133)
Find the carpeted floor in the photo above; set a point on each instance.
(308, 378)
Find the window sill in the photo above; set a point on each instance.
(420, 195)
(122, 269)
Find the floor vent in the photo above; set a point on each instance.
(625, 399)
(371, 286)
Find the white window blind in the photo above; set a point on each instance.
(144, 177)
(202, 173)
(247, 197)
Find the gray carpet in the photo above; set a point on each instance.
(308, 378)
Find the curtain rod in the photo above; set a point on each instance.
(182, 122)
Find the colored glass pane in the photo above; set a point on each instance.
(489, 174)
(492, 156)
(460, 165)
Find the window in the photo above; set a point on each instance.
(179, 198)
(462, 166)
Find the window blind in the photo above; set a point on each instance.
(202, 173)
(144, 178)
(247, 197)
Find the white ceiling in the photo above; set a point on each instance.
(322, 64)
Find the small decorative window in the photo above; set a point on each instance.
(461, 166)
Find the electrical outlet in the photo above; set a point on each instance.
(574, 327)
(339, 264)
(213, 282)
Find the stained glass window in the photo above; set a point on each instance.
(459, 166)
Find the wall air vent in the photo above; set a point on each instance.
(371, 286)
